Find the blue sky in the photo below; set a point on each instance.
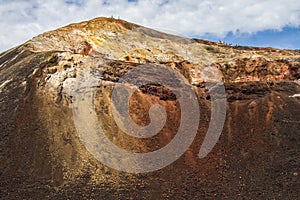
(287, 38)
(274, 23)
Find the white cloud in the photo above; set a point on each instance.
(20, 20)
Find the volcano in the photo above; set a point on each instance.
(225, 125)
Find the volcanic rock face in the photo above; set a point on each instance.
(43, 155)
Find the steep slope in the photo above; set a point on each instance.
(43, 154)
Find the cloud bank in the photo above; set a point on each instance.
(21, 20)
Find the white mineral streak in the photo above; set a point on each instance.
(4, 84)
(295, 95)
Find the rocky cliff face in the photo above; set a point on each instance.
(43, 155)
